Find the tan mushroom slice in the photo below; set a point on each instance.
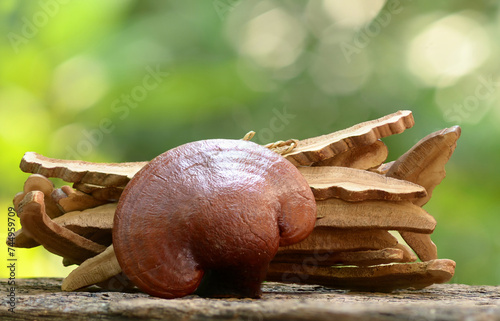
(358, 258)
(364, 157)
(41, 183)
(56, 239)
(421, 244)
(104, 193)
(23, 240)
(319, 148)
(77, 201)
(103, 174)
(424, 164)
(408, 255)
(94, 224)
(17, 199)
(380, 278)
(37, 182)
(100, 218)
(326, 240)
(94, 270)
(400, 216)
(350, 184)
(382, 169)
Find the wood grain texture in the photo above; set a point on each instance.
(316, 149)
(42, 299)
(356, 185)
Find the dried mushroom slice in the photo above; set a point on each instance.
(379, 278)
(94, 224)
(316, 149)
(97, 218)
(94, 270)
(103, 174)
(77, 201)
(356, 185)
(23, 240)
(357, 258)
(103, 193)
(408, 255)
(56, 239)
(329, 240)
(424, 164)
(386, 215)
(364, 157)
(382, 169)
(41, 183)
(17, 199)
(421, 244)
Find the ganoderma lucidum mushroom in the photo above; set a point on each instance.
(355, 211)
(210, 215)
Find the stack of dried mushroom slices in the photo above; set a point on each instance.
(360, 200)
(363, 203)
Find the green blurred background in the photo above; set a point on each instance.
(127, 80)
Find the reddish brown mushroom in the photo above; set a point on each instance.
(210, 215)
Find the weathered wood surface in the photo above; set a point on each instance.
(42, 299)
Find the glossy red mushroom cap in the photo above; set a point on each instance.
(210, 215)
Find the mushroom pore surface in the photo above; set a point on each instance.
(210, 215)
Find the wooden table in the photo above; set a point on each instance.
(42, 299)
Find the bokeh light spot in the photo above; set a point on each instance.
(354, 13)
(79, 83)
(448, 49)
